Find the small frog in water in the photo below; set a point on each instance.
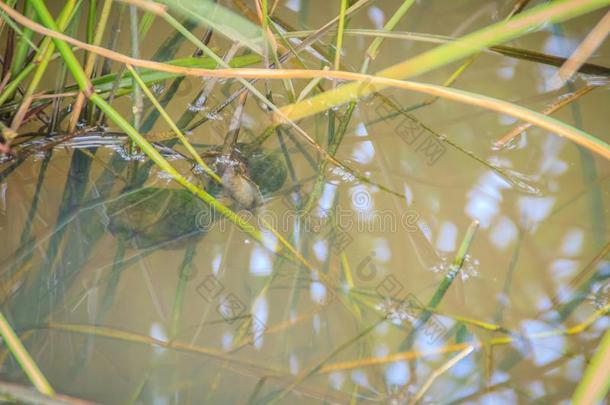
(167, 217)
(157, 216)
(249, 174)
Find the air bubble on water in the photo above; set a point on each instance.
(198, 169)
(398, 395)
(157, 88)
(601, 298)
(39, 155)
(227, 161)
(343, 174)
(441, 267)
(517, 142)
(469, 267)
(129, 156)
(165, 176)
(213, 116)
(195, 107)
(396, 312)
(265, 107)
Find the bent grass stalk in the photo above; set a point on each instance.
(468, 45)
(365, 84)
(206, 50)
(558, 104)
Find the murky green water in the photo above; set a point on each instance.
(208, 315)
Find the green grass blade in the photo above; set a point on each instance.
(173, 126)
(340, 30)
(470, 44)
(23, 358)
(222, 20)
(440, 292)
(595, 385)
(180, 296)
(42, 61)
(21, 50)
(373, 49)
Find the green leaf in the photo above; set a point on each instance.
(222, 20)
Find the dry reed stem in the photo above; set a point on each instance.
(586, 48)
(558, 104)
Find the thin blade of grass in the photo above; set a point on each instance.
(41, 62)
(441, 290)
(23, 358)
(173, 125)
(468, 45)
(183, 278)
(340, 30)
(373, 49)
(138, 102)
(511, 52)
(21, 49)
(438, 372)
(222, 20)
(595, 384)
(89, 64)
(18, 394)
